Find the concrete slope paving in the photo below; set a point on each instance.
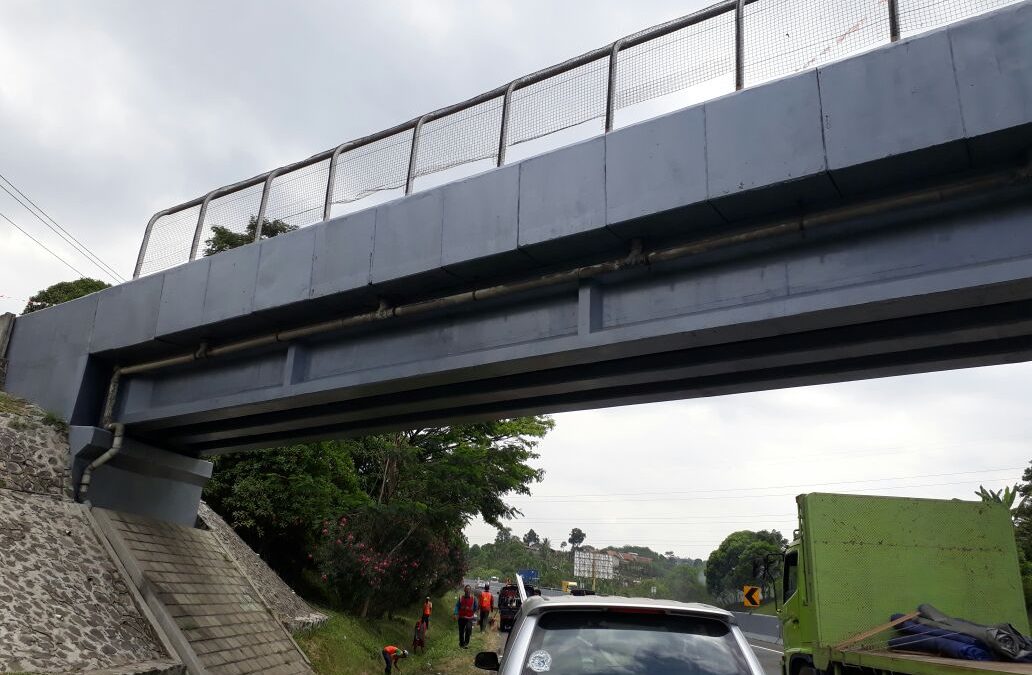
(217, 621)
(292, 611)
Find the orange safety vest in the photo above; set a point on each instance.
(427, 608)
(486, 601)
(466, 607)
(392, 651)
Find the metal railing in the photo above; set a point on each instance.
(754, 39)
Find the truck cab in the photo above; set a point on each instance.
(796, 620)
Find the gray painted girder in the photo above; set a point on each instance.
(915, 109)
(947, 263)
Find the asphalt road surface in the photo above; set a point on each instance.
(769, 655)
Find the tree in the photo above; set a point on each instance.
(731, 566)
(531, 538)
(1021, 495)
(423, 487)
(577, 537)
(1006, 496)
(277, 499)
(562, 545)
(503, 535)
(223, 238)
(63, 291)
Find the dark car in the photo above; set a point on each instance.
(508, 606)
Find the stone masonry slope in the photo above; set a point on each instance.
(292, 611)
(64, 605)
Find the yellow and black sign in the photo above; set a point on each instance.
(751, 596)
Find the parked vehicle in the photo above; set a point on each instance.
(509, 604)
(594, 635)
(857, 560)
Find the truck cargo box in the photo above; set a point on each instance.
(870, 557)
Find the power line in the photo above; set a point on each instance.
(665, 518)
(42, 245)
(60, 231)
(571, 497)
(777, 494)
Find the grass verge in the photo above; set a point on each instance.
(348, 645)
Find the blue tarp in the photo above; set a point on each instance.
(930, 640)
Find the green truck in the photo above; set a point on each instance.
(856, 560)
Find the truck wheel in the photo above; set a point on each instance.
(804, 668)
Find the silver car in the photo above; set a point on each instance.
(603, 635)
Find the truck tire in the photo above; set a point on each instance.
(803, 666)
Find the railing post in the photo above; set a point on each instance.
(146, 242)
(330, 180)
(893, 20)
(200, 225)
(740, 45)
(611, 87)
(503, 134)
(264, 203)
(411, 179)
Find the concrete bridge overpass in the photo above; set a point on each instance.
(868, 218)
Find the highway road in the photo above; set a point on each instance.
(769, 655)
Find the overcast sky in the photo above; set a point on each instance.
(110, 111)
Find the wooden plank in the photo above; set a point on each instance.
(860, 637)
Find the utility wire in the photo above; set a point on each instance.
(60, 231)
(776, 494)
(42, 245)
(571, 497)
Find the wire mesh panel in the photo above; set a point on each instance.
(170, 241)
(466, 136)
(382, 165)
(559, 102)
(691, 64)
(297, 198)
(233, 212)
(916, 16)
(786, 36)
(680, 60)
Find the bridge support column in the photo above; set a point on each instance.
(140, 479)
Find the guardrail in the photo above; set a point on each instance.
(729, 43)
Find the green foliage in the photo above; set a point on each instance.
(63, 292)
(277, 499)
(1023, 530)
(54, 420)
(731, 566)
(577, 537)
(381, 556)
(223, 239)
(531, 538)
(1006, 496)
(391, 500)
